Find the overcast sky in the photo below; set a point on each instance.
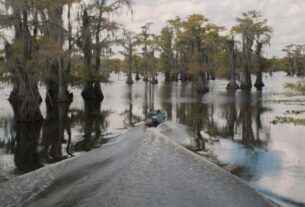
(287, 17)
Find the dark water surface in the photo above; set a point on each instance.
(236, 130)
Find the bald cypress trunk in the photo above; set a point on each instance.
(86, 46)
(92, 90)
(247, 42)
(63, 94)
(57, 86)
(152, 66)
(146, 70)
(167, 76)
(232, 85)
(202, 83)
(259, 82)
(137, 77)
(99, 96)
(129, 78)
(25, 95)
(259, 76)
(183, 62)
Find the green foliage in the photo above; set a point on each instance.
(79, 75)
(165, 42)
(287, 101)
(299, 86)
(138, 63)
(191, 45)
(295, 112)
(2, 70)
(254, 31)
(294, 61)
(288, 120)
(111, 64)
(275, 64)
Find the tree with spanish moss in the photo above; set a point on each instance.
(144, 39)
(231, 51)
(245, 27)
(97, 27)
(262, 37)
(193, 36)
(57, 59)
(128, 43)
(165, 43)
(21, 59)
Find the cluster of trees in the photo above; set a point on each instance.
(196, 49)
(45, 35)
(61, 42)
(294, 61)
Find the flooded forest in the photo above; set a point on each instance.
(75, 79)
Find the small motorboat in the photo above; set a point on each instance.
(155, 117)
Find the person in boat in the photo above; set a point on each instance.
(151, 113)
(155, 118)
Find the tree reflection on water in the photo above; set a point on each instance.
(37, 144)
(238, 118)
(235, 116)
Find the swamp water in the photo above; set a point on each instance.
(239, 132)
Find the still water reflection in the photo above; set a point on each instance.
(234, 130)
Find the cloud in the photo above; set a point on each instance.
(285, 16)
